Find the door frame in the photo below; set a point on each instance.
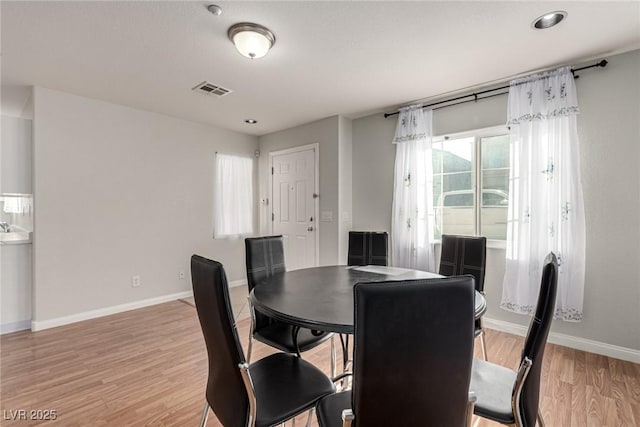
(316, 172)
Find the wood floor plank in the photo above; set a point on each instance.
(624, 412)
(595, 407)
(579, 390)
(632, 383)
(148, 367)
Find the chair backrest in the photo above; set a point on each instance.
(368, 248)
(464, 255)
(536, 339)
(264, 258)
(413, 352)
(226, 393)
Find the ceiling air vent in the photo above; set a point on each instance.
(210, 89)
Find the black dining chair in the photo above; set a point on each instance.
(264, 258)
(413, 353)
(368, 248)
(513, 397)
(265, 393)
(466, 255)
(365, 248)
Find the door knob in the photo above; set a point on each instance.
(310, 229)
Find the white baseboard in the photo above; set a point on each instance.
(583, 344)
(236, 283)
(7, 328)
(65, 320)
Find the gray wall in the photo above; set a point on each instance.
(326, 133)
(16, 156)
(15, 260)
(609, 133)
(121, 192)
(345, 187)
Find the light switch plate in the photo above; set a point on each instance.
(326, 216)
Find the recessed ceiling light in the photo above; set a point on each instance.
(251, 121)
(549, 19)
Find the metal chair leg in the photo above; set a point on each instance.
(345, 352)
(540, 419)
(470, 405)
(294, 339)
(333, 356)
(311, 411)
(253, 320)
(205, 414)
(483, 346)
(249, 349)
(346, 362)
(482, 342)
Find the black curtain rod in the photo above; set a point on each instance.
(475, 96)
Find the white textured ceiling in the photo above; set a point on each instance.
(349, 58)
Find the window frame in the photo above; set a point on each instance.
(477, 135)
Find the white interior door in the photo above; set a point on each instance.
(294, 204)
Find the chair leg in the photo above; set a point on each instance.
(470, 406)
(250, 347)
(251, 327)
(345, 353)
(294, 339)
(540, 419)
(483, 346)
(344, 341)
(311, 411)
(333, 356)
(205, 414)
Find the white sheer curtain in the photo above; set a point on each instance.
(546, 209)
(412, 213)
(233, 196)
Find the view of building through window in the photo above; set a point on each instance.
(471, 184)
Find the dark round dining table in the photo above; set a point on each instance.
(321, 298)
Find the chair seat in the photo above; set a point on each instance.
(286, 385)
(329, 409)
(493, 385)
(279, 335)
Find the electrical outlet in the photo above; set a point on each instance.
(181, 275)
(135, 281)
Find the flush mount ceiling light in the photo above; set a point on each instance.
(251, 121)
(549, 19)
(251, 40)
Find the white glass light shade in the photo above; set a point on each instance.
(252, 45)
(251, 40)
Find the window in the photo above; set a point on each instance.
(471, 170)
(233, 196)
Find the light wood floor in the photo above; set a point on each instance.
(148, 367)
